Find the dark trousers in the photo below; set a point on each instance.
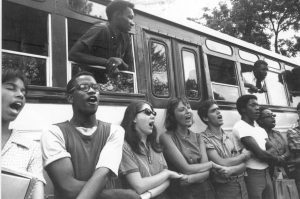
(259, 184)
(118, 194)
(233, 189)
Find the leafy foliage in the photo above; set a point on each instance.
(256, 21)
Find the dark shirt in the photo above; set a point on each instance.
(84, 150)
(101, 41)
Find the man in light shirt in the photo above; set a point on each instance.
(253, 81)
(253, 138)
(80, 155)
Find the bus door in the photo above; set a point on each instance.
(187, 71)
(159, 69)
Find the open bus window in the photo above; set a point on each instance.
(246, 71)
(88, 8)
(291, 76)
(25, 41)
(276, 90)
(190, 74)
(223, 77)
(158, 60)
(121, 83)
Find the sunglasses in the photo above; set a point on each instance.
(147, 112)
(87, 87)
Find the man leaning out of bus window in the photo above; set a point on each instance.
(82, 154)
(253, 138)
(222, 150)
(253, 80)
(108, 44)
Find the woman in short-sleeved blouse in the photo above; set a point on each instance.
(275, 144)
(185, 152)
(143, 166)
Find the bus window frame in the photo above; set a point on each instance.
(48, 58)
(147, 36)
(274, 60)
(209, 81)
(222, 43)
(191, 48)
(69, 63)
(275, 71)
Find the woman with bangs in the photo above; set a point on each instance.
(143, 166)
(185, 152)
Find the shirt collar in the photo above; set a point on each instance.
(210, 133)
(18, 139)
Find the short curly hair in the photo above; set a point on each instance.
(117, 6)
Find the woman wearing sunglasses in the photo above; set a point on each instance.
(186, 153)
(143, 166)
(275, 144)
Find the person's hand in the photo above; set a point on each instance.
(253, 89)
(173, 174)
(247, 154)
(262, 90)
(113, 64)
(184, 180)
(225, 171)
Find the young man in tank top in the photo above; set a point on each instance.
(81, 154)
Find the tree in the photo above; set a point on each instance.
(249, 20)
(282, 15)
(241, 21)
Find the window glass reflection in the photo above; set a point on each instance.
(292, 79)
(276, 90)
(218, 47)
(89, 8)
(34, 68)
(24, 29)
(190, 74)
(273, 64)
(248, 56)
(158, 60)
(223, 77)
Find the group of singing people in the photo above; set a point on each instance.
(88, 158)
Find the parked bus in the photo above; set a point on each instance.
(170, 59)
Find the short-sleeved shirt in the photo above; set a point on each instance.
(243, 129)
(293, 137)
(23, 154)
(102, 41)
(54, 146)
(188, 145)
(278, 143)
(224, 145)
(147, 163)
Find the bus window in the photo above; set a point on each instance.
(88, 8)
(190, 74)
(122, 83)
(25, 41)
(248, 74)
(158, 60)
(248, 56)
(291, 76)
(223, 77)
(273, 64)
(276, 91)
(218, 47)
